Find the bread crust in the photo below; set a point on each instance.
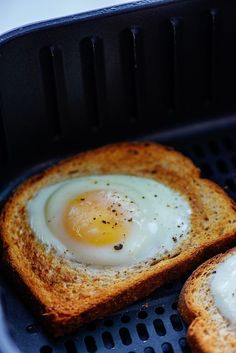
(203, 331)
(65, 297)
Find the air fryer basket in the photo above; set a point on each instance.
(158, 70)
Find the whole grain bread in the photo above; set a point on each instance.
(67, 296)
(209, 331)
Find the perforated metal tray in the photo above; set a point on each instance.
(82, 81)
(152, 325)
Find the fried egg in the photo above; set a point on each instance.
(109, 220)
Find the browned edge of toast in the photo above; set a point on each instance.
(173, 271)
(197, 318)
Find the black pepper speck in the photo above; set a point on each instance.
(118, 246)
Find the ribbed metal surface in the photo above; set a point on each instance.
(114, 77)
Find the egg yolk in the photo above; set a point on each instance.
(97, 217)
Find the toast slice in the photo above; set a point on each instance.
(66, 296)
(209, 331)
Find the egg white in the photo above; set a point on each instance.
(223, 288)
(160, 219)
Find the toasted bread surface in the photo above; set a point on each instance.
(209, 331)
(67, 296)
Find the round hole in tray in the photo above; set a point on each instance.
(125, 319)
(167, 348)
(184, 345)
(46, 349)
(174, 305)
(142, 314)
(159, 310)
